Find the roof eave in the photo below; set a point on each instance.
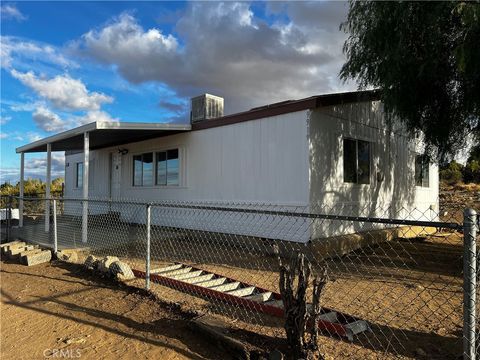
(110, 125)
(57, 137)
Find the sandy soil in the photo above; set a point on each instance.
(410, 291)
(57, 309)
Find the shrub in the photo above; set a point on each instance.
(452, 173)
(471, 172)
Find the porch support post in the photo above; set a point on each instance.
(47, 188)
(22, 186)
(86, 156)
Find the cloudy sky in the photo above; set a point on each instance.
(64, 64)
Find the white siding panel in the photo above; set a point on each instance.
(261, 161)
(392, 157)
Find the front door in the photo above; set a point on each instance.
(115, 176)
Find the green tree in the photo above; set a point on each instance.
(452, 173)
(474, 153)
(471, 172)
(424, 58)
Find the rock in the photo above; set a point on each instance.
(37, 258)
(29, 252)
(14, 252)
(7, 246)
(121, 270)
(74, 340)
(68, 256)
(104, 264)
(91, 262)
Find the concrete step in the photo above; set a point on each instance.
(198, 279)
(214, 282)
(188, 275)
(262, 297)
(167, 268)
(14, 252)
(226, 287)
(12, 245)
(243, 292)
(176, 272)
(29, 252)
(37, 258)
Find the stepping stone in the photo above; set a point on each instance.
(38, 258)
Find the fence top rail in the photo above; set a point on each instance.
(240, 208)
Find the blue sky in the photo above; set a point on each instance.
(65, 64)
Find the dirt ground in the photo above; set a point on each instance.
(410, 292)
(60, 311)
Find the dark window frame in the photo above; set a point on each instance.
(169, 155)
(422, 170)
(77, 173)
(154, 156)
(347, 168)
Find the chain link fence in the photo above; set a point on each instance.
(396, 284)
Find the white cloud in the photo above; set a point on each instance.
(4, 119)
(63, 91)
(91, 116)
(19, 136)
(225, 49)
(28, 106)
(35, 168)
(16, 50)
(33, 136)
(47, 120)
(10, 11)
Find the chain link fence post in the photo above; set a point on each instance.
(469, 282)
(55, 237)
(9, 218)
(147, 262)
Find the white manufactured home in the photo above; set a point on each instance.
(331, 153)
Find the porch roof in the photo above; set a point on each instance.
(103, 134)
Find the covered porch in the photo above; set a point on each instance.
(93, 136)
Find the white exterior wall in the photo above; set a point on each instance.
(257, 162)
(392, 156)
(288, 160)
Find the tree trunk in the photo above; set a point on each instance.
(298, 316)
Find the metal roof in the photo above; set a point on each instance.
(284, 107)
(104, 134)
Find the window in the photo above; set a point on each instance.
(79, 175)
(422, 173)
(165, 166)
(79, 172)
(356, 161)
(143, 170)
